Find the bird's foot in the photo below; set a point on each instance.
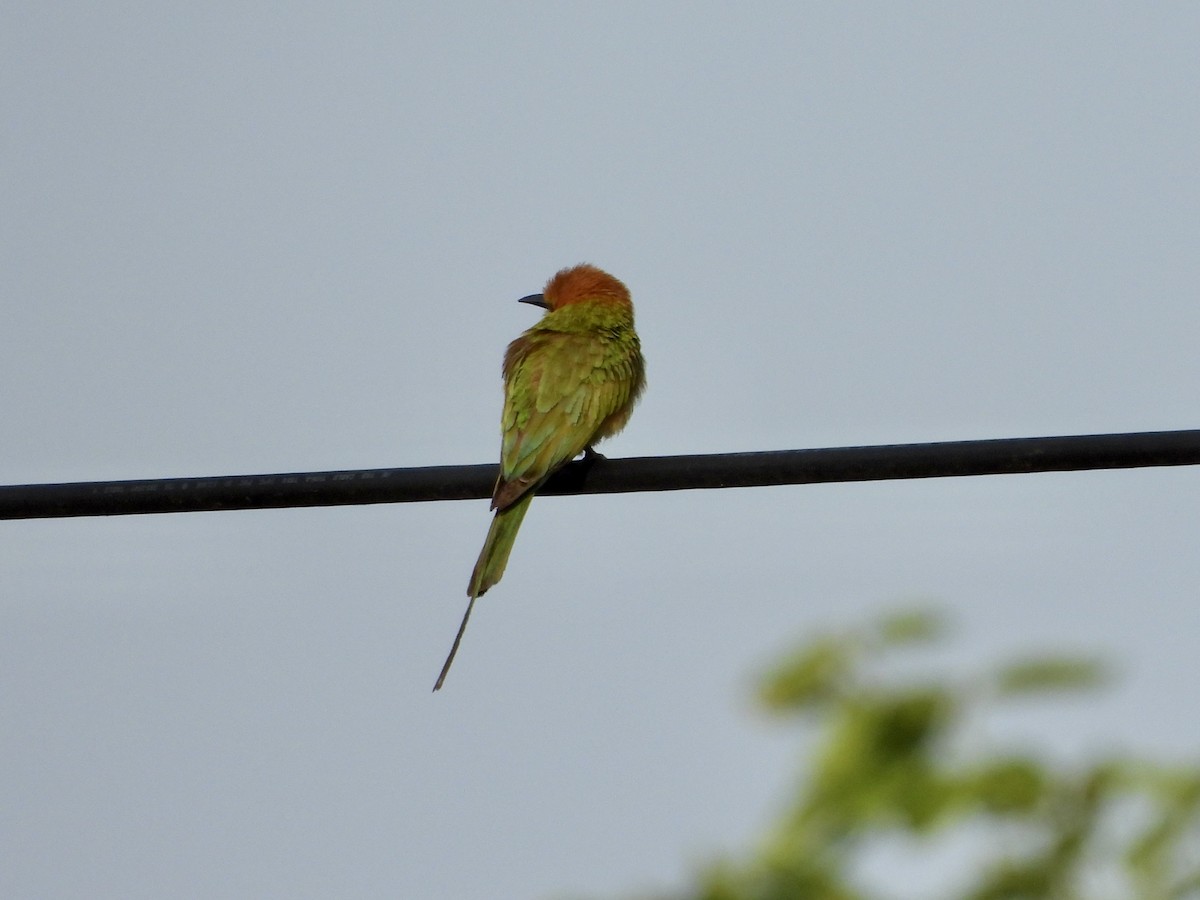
(590, 456)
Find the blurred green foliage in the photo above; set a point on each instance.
(900, 761)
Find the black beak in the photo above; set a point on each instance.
(535, 300)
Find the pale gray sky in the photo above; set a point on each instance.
(291, 238)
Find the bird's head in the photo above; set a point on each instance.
(582, 282)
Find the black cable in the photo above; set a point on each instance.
(600, 476)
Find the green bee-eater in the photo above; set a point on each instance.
(569, 381)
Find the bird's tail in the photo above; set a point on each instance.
(490, 565)
(494, 555)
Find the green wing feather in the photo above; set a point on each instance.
(560, 389)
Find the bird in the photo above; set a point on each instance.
(569, 382)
